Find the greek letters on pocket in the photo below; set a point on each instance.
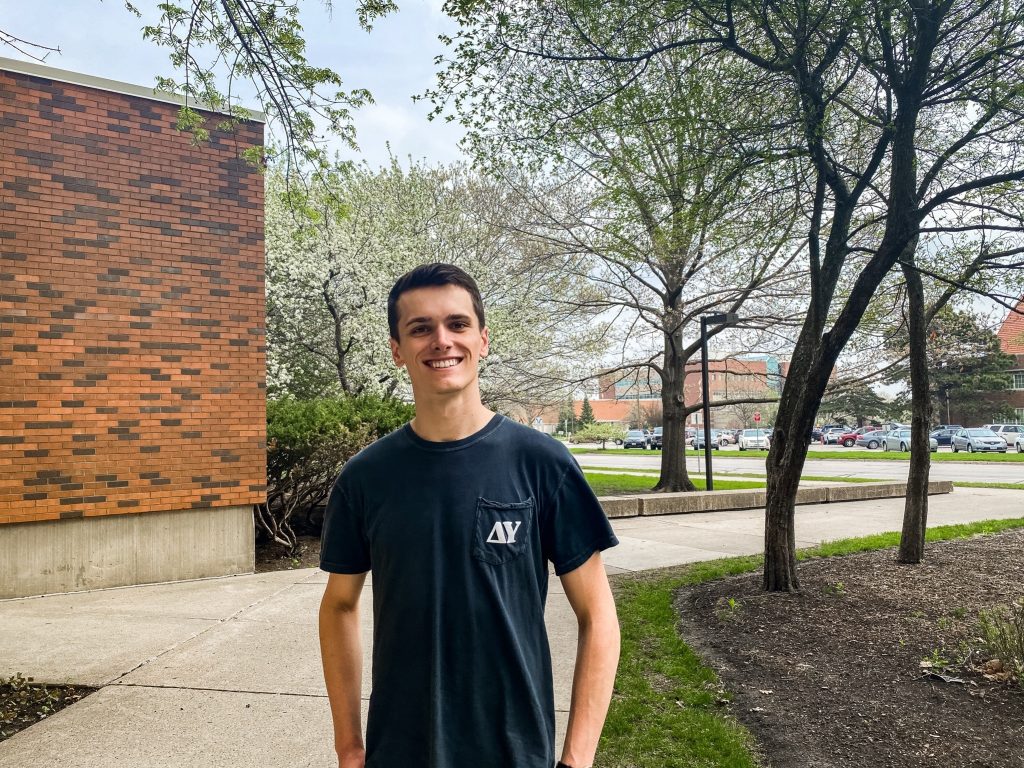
(502, 530)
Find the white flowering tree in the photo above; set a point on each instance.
(334, 251)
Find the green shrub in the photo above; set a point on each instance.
(1003, 633)
(308, 442)
(598, 433)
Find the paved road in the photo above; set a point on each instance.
(726, 462)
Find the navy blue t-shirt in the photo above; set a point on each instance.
(458, 536)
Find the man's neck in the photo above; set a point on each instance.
(447, 421)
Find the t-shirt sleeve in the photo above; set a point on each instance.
(343, 544)
(574, 525)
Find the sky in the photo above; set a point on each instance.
(394, 61)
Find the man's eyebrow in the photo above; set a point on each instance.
(414, 320)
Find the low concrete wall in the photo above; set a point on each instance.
(650, 504)
(118, 550)
(620, 506)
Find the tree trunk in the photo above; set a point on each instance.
(674, 476)
(915, 512)
(798, 406)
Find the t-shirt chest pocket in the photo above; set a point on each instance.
(502, 531)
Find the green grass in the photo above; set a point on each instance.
(611, 485)
(665, 711)
(1011, 486)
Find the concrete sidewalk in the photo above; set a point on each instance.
(226, 672)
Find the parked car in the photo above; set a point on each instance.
(1018, 444)
(698, 440)
(656, 437)
(1008, 432)
(728, 436)
(635, 438)
(849, 439)
(831, 435)
(815, 435)
(899, 439)
(872, 439)
(977, 439)
(754, 439)
(944, 434)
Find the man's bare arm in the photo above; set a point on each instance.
(597, 658)
(342, 655)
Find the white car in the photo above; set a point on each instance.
(754, 439)
(1008, 432)
(1019, 443)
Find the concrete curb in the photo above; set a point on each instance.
(651, 504)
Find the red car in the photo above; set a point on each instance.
(849, 439)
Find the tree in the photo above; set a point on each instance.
(855, 403)
(587, 413)
(599, 433)
(335, 247)
(964, 362)
(213, 44)
(567, 419)
(642, 198)
(895, 117)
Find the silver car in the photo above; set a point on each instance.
(972, 440)
(901, 438)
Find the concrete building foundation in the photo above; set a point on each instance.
(119, 550)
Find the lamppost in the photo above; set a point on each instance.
(719, 318)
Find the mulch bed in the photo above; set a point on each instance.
(834, 676)
(274, 557)
(23, 703)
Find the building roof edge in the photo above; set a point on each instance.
(114, 86)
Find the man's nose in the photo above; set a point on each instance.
(441, 340)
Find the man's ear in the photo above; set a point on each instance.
(487, 343)
(395, 355)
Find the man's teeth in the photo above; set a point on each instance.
(443, 363)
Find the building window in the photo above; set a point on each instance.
(1018, 380)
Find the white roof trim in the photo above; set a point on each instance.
(103, 84)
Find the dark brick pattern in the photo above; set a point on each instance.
(132, 345)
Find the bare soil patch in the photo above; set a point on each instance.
(274, 557)
(834, 676)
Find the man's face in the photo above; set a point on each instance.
(440, 340)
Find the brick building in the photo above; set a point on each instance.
(728, 379)
(132, 350)
(1011, 341)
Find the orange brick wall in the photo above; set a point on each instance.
(132, 346)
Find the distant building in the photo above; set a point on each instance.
(632, 403)
(1011, 340)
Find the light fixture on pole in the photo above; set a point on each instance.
(719, 318)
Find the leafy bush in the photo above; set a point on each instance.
(1003, 633)
(308, 442)
(598, 433)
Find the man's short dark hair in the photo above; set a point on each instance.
(431, 275)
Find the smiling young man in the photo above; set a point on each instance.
(457, 515)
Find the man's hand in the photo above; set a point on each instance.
(352, 758)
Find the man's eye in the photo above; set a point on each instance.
(460, 325)
(419, 329)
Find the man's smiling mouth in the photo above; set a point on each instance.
(446, 363)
